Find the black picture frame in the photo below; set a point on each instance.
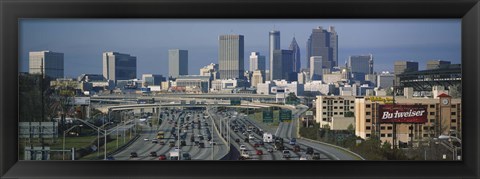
(11, 11)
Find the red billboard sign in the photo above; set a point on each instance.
(390, 113)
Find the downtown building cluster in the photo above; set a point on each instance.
(343, 96)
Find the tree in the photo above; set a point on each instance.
(455, 91)
(292, 99)
(389, 91)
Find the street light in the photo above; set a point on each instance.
(64, 133)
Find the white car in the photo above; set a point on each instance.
(242, 147)
(303, 157)
(245, 154)
(146, 139)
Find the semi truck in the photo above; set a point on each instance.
(267, 137)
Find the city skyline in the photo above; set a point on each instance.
(414, 41)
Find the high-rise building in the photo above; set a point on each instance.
(437, 64)
(118, 66)
(177, 62)
(230, 56)
(360, 65)
(257, 61)
(282, 67)
(385, 80)
(296, 55)
(323, 43)
(316, 70)
(257, 78)
(273, 44)
(47, 62)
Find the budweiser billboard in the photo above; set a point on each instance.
(390, 113)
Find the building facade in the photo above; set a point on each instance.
(231, 56)
(437, 64)
(257, 77)
(152, 80)
(49, 63)
(118, 66)
(282, 66)
(297, 65)
(316, 68)
(177, 62)
(273, 44)
(329, 108)
(323, 43)
(257, 62)
(360, 65)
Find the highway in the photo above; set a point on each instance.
(144, 145)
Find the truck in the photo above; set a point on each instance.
(267, 137)
(174, 154)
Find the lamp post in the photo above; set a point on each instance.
(64, 133)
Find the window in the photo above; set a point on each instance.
(324, 107)
(425, 135)
(382, 135)
(454, 106)
(432, 106)
(410, 135)
(351, 107)
(335, 101)
(454, 121)
(389, 127)
(324, 119)
(389, 135)
(368, 128)
(335, 107)
(335, 113)
(367, 120)
(454, 113)
(341, 113)
(367, 106)
(324, 101)
(341, 101)
(368, 135)
(432, 120)
(324, 113)
(382, 127)
(367, 113)
(432, 113)
(410, 127)
(425, 128)
(453, 127)
(352, 102)
(341, 107)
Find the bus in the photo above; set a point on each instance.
(160, 135)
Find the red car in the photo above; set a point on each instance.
(162, 157)
(259, 152)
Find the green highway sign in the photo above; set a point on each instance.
(235, 102)
(285, 115)
(267, 116)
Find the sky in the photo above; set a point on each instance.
(84, 40)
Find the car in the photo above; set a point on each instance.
(133, 155)
(161, 142)
(213, 143)
(154, 141)
(246, 140)
(201, 145)
(245, 154)
(251, 136)
(162, 157)
(293, 141)
(270, 150)
(183, 143)
(171, 144)
(196, 143)
(303, 157)
(146, 139)
(259, 152)
(316, 156)
(286, 154)
(242, 147)
(186, 156)
(153, 154)
(309, 150)
(237, 140)
(110, 158)
(256, 145)
(296, 148)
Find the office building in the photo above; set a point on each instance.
(273, 44)
(257, 77)
(325, 44)
(296, 55)
(335, 112)
(437, 64)
(385, 80)
(402, 67)
(210, 70)
(118, 66)
(193, 83)
(231, 56)
(257, 62)
(443, 116)
(47, 62)
(152, 80)
(282, 65)
(177, 62)
(303, 77)
(360, 65)
(316, 70)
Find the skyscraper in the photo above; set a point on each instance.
(316, 70)
(282, 66)
(273, 44)
(402, 67)
(360, 65)
(177, 62)
(323, 43)
(296, 55)
(47, 62)
(257, 62)
(437, 64)
(230, 56)
(118, 66)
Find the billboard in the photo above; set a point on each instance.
(390, 113)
